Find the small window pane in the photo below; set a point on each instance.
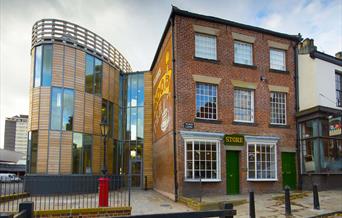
(98, 77)
(205, 46)
(89, 74)
(38, 66)
(47, 65)
(277, 59)
(68, 109)
(56, 108)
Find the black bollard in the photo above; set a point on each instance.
(315, 197)
(287, 202)
(251, 205)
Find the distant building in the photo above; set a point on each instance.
(319, 117)
(16, 135)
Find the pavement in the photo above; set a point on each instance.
(266, 205)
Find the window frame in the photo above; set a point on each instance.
(255, 143)
(252, 52)
(218, 160)
(338, 104)
(284, 60)
(61, 127)
(285, 97)
(41, 66)
(216, 86)
(252, 105)
(208, 36)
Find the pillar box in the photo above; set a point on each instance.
(103, 192)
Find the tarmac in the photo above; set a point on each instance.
(266, 205)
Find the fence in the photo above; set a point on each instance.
(82, 192)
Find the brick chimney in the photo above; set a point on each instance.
(306, 46)
(338, 55)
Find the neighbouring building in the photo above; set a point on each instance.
(319, 117)
(78, 80)
(16, 135)
(224, 107)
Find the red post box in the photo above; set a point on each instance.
(103, 192)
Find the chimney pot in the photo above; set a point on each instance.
(338, 55)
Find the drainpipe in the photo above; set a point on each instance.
(298, 152)
(174, 109)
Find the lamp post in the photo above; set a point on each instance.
(104, 132)
(104, 182)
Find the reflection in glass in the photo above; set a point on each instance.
(68, 109)
(47, 65)
(98, 77)
(56, 108)
(38, 66)
(77, 153)
(89, 73)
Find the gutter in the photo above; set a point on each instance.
(174, 109)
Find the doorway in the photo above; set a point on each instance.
(288, 163)
(232, 172)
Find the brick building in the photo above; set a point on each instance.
(224, 107)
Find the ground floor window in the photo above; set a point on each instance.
(81, 153)
(202, 160)
(262, 161)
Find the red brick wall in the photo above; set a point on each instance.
(186, 66)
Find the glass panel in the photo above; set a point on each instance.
(136, 167)
(140, 125)
(56, 108)
(134, 90)
(205, 46)
(104, 113)
(243, 106)
(34, 147)
(277, 59)
(141, 90)
(47, 65)
(206, 101)
(68, 109)
(87, 155)
(243, 53)
(110, 119)
(98, 77)
(77, 153)
(38, 66)
(89, 73)
(133, 123)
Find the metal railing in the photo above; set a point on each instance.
(84, 195)
(50, 30)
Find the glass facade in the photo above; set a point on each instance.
(62, 108)
(321, 145)
(43, 65)
(93, 75)
(81, 153)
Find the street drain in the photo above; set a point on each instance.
(165, 205)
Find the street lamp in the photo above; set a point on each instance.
(104, 132)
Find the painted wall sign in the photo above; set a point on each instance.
(162, 91)
(189, 125)
(234, 139)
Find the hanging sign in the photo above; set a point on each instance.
(234, 139)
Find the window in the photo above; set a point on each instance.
(278, 108)
(33, 138)
(93, 75)
(338, 84)
(243, 105)
(202, 160)
(62, 109)
(243, 53)
(205, 46)
(277, 59)
(43, 66)
(262, 161)
(107, 113)
(206, 101)
(81, 153)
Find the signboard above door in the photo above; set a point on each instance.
(234, 139)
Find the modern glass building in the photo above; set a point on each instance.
(79, 80)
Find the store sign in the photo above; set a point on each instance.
(234, 139)
(189, 125)
(335, 126)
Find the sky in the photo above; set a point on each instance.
(135, 27)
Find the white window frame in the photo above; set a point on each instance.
(285, 98)
(251, 55)
(252, 105)
(284, 59)
(218, 160)
(203, 118)
(197, 34)
(275, 161)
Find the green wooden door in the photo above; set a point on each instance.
(232, 173)
(288, 161)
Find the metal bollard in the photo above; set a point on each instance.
(315, 197)
(287, 202)
(251, 205)
(145, 183)
(228, 206)
(28, 206)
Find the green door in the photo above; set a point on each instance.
(288, 161)
(232, 173)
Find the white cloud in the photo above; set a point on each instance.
(135, 28)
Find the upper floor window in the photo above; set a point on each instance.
(93, 75)
(43, 66)
(205, 46)
(107, 115)
(278, 108)
(62, 109)
(243, 53)
(338, 84)
(206, 101)
(243, 105)
(277, 59)
(202, 160)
